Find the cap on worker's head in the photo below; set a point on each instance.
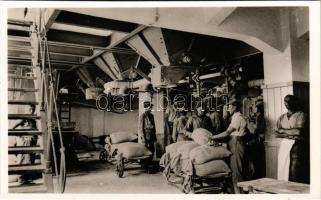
(148, 104)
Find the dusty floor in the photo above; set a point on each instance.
(98, 177)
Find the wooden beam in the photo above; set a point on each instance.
(49, 15)
(142, 74)
(115, 43)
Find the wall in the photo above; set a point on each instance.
(93, 123)
(286, 72)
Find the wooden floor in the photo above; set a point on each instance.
(97, 177)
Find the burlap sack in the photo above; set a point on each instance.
(12, 159)
(185, 149)
(131, 150)
(205, 153)
(211, 168)
(201, 136)
(172, 148)
(12, 141)
(14, 178)
(122, 136)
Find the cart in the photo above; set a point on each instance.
(114, 156)
(216, 183)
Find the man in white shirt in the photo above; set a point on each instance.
(236, 130)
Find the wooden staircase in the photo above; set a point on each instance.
(23, 91)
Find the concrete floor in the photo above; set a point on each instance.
(98, 177)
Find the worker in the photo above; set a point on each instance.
(170, 116)
(179, 125)
(255, 145)
(198, 120)
(236, 130)
(146, 127)
(293, 152)
(217, 121)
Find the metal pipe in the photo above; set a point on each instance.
(207, 76)
(87, 47)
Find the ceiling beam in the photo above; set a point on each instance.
(77, 38)
(115, 43)
(96, 22)
(49, 16)
(81, 29)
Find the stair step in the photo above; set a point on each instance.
(19, 38)
(22, 102)
(23, 132)
(23, 168)
(18, 27)
(32, 188)
(21, 57)
(21, 66)
(22, 89)
(23, 116)
(24, 149)
(22, 77)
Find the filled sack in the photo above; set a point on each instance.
(131, 149)
(14, 178)
(122, 136)
(12, 159)
(12, 141)
(211, 168)
(185, 149)
(172, 148)
(206, 153)
(201, 136)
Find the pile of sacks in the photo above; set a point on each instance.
(123, 143)
(196, 157)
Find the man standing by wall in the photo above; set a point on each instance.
(293, 162)
(146, 128)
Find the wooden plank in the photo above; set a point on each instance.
(271, 110)
(21, 77)
(277, 102)
(284, 92)
(274, 186)
(37, 188)
(22, 168)
(22, 102)
(22, 116)
(24, 149)
(49, 17)
(22, 89)
(23, 132)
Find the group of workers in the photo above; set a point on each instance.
(244, 145)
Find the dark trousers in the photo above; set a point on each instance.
(168, 137)
(299, 162)
(236, 147)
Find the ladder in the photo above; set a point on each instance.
(31, 171)
(64, 108)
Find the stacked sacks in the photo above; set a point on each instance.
(176, 157)
(201, 136)
(132, 149)
(209, 160)
(122, 136)
(123, 143)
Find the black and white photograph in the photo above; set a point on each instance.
(160, 100)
